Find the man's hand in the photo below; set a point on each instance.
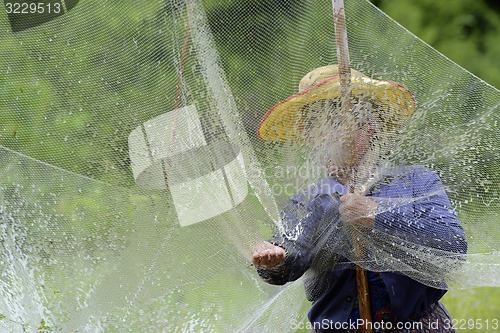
(357, 210)
(268, 255)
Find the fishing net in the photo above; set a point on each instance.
(137, 177)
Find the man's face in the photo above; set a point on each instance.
(340, 142)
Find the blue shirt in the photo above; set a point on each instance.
(418, 211)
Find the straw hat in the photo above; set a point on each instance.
(286, 120)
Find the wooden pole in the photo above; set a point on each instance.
(345, 82)
(342, 53)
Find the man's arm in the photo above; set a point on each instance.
(427, 219)
(288, 255)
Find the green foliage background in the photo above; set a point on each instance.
(468, 32)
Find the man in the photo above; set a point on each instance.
(393, 212)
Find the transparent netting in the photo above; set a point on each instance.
(138, 174)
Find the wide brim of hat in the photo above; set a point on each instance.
(284, 121)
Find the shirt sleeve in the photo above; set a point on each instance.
(426, 218)
(305, 222)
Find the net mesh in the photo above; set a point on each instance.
(135, 185)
